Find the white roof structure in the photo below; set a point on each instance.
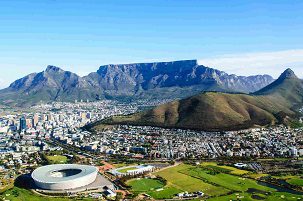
(64, 176)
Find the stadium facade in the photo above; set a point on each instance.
(69, 177)
(133, 170)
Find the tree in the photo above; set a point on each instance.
(119, 196)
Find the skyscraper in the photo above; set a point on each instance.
(22, 123)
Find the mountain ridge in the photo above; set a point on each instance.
(173, 80)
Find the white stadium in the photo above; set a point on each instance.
(69, 177)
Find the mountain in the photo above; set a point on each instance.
(287, 89)
(148, 79)
(51, 84)
(217, 111)
(173, 80)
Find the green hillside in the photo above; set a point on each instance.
(215, 111)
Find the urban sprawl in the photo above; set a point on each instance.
(50, 128)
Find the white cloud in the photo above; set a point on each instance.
(272, 63)
(4, 83)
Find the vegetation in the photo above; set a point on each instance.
(19, 194)
(120, 165)
(144, 185)
(166, 193)
(218, 182)
(224, 168)
(277, 196)
(227, 181)
(297, 181)
(225, 111)
(296, 124)
(56, 159)
(185, 182)
(125, 170)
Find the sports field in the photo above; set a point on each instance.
(125, 170)
(152, 187)
(57, 159)
(143, 185)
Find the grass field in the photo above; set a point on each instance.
(166, 193)
(256, 175)
(185, 182)
(227, 181)
(214, 180)
(127, 169)
(296, 181)
(143, 185)
(276, 196)
(120, 165)
(57, 159)
(18, 194)
(153, 187)
(231, 170)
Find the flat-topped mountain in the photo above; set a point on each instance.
(217, 111)
(174, 80)
(149, 76)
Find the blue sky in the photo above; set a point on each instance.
(238, 36)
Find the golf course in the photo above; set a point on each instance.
(217, 182)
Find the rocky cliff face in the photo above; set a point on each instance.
(148, 76)
(176, 79)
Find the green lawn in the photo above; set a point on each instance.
(125, 170)
(120, 165)
(185, 182)
(225, 180)
(292, 179)
(18, 194)
(153, 187)
(231, 170)
(166, 193)
(57, 159)
(276, 196)
(143, 185)
(298, 181)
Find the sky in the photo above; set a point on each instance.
(242, 37)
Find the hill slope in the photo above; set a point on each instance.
(215, 111)
(287, 89)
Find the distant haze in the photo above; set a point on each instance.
(272, 63)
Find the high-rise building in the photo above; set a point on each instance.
(36, 119)
(29, 123)
(83, 115)
(22, 123)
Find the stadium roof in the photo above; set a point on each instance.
(62, 172)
